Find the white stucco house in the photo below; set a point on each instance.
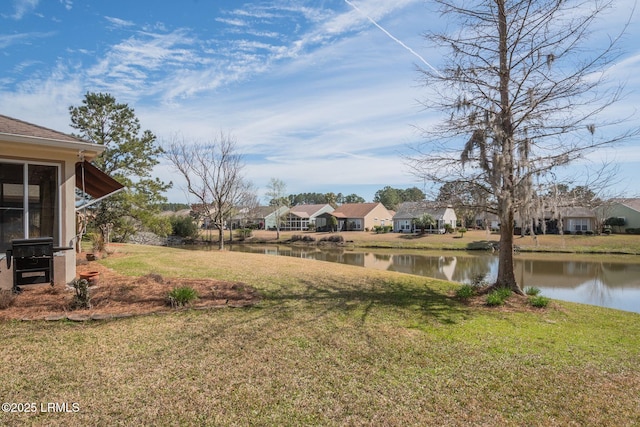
(408, 211)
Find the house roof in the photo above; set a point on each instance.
(16, 131)
(354, 210)
(577, 212)
(631, 203)
(264, 211)
(307, 211)
(11, 126)
(416, 209)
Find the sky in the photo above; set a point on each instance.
(324, 95)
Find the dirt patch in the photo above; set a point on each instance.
(115, 295)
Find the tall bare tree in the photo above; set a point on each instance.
(276, 190)
(522, 89)
(213, 175)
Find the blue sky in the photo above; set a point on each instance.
(314, 93)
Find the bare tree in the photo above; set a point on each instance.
(523, 95)
(213, 173)
(276, 190)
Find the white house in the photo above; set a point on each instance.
(408, 211)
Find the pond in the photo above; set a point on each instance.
(603, 280)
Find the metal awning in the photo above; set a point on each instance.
(95, 183)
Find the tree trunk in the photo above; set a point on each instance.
(506, 276)
(220, 238)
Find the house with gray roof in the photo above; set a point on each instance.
(403, 220)
(303, 217)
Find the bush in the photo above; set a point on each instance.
(498, 297)
(632, 230)
(243, 233)
(6, 299)
(81, 299)
(494, 299)
(333, 239)
(479, 280)
(181, 296)
(383, 228)
(302, 238)
(465, 291)
(532, 291)
(539, 301)
(183, 226)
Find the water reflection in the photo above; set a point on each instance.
(584, 279)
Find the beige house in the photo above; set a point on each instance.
(40, 170)
(359, 216)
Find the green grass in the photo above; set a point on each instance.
(328, 345)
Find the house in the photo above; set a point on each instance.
(408, 211)
(358, 217)
(628, 209)
(578, 220)
(266, 217)
(300, 217)
(40, 170)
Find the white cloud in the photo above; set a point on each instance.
(23, 7)
(22, 38)
(68, 4)
(117, 22)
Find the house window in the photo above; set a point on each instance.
(580, 224)
(29, 201)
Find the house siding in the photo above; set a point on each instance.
(64, 262)
(59, 150)
(621, 210)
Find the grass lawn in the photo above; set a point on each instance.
(328, 345)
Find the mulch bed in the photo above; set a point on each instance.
(115, 296)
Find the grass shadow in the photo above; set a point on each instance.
(413, 236)
(388, 298)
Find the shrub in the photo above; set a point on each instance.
(465, 291)
(539, 301)
(498, 297)
(494, 299)
(462, 230)
(81, 299)
(504, 292)
(333, 239)
(302, 238)
(532, 291)
(6, 299)
(97, 241)
(183, 226)
(243, 233)
(632, 230)
(181, 296)
(478, 280)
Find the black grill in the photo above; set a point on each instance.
(32, 261)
